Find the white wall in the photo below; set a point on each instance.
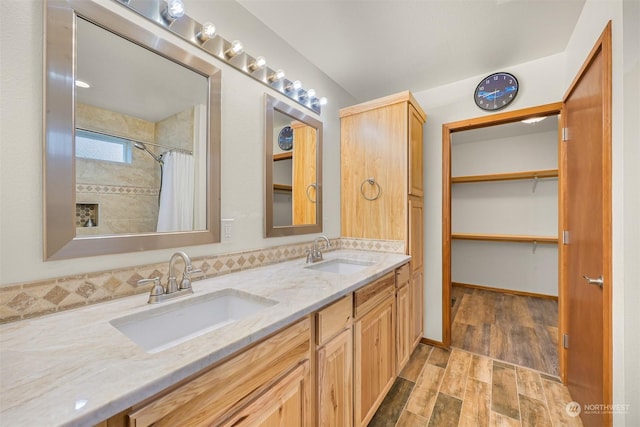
(631, 154)
(540, 83)
(242, 140)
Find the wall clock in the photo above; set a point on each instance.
(496, 91)
(285, 138)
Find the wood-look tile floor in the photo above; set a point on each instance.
(443, 388)
(518, 329)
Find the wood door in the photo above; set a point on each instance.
(374, 362)
(335, 381)
(586, 214)
(284, 404)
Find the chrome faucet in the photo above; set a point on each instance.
(159, 293)
(315, 254)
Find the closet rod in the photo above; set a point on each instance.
(505, 238)
(544, 173)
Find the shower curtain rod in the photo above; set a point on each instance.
(136, 140)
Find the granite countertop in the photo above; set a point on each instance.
(75, 368)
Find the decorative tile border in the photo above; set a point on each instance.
(393, 246)
(116, 189)
(27, 300)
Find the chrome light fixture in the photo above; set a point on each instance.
(276, 76)
(235, 49)
(207, 32)
(258, 64)
(165, 12)
(293, 87)
(173, 10)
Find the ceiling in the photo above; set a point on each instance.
(132, 80)
(374, 48)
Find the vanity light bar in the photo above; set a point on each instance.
(170, 15)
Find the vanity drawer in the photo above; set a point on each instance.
(208, 397)
(403, 275)
(369, 296)
(334, 319)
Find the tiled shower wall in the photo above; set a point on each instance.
(125, 194)
(33, 299)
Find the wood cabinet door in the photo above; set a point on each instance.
(415, 244)
(404, 325)
(374, 146)
(374, 361)
(335, 381)
(284, 404)
(416, 169)
(304, 179)
(417, 307)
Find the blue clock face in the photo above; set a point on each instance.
(285, 138)
(496, 91)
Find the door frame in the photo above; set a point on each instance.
(462, 125)
(604, 46)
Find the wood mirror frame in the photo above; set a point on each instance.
(59, 233)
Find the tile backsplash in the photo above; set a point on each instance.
(26, 300)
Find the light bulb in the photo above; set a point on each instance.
(277, 76)
(207, 32)
(311, 93)
(533, 120)
(174, 10)
(297, 85)
(323, 100)
(84, 85)
(236, 48)
(258, 64)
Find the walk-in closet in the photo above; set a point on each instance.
(503, 191)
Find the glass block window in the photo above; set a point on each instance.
(98, 146)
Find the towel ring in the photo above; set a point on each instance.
(313, 185)
(371, 181)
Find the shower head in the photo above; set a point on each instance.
(142, 146)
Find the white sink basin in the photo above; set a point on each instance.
(168, 325)
(341, 266)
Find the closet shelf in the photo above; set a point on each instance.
(505, 238)
(282, 156)
(546, 173)
(282, 187)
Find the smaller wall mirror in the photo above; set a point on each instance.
(293, 193)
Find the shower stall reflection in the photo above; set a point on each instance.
(127, 185)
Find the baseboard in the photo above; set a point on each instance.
(433, 343)
(504, 291)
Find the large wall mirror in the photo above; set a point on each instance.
(132, 137)
(293, 147)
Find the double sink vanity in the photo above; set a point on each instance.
(275, 341)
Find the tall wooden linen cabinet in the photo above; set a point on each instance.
(382, 189)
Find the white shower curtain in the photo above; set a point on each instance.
(177, 193)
